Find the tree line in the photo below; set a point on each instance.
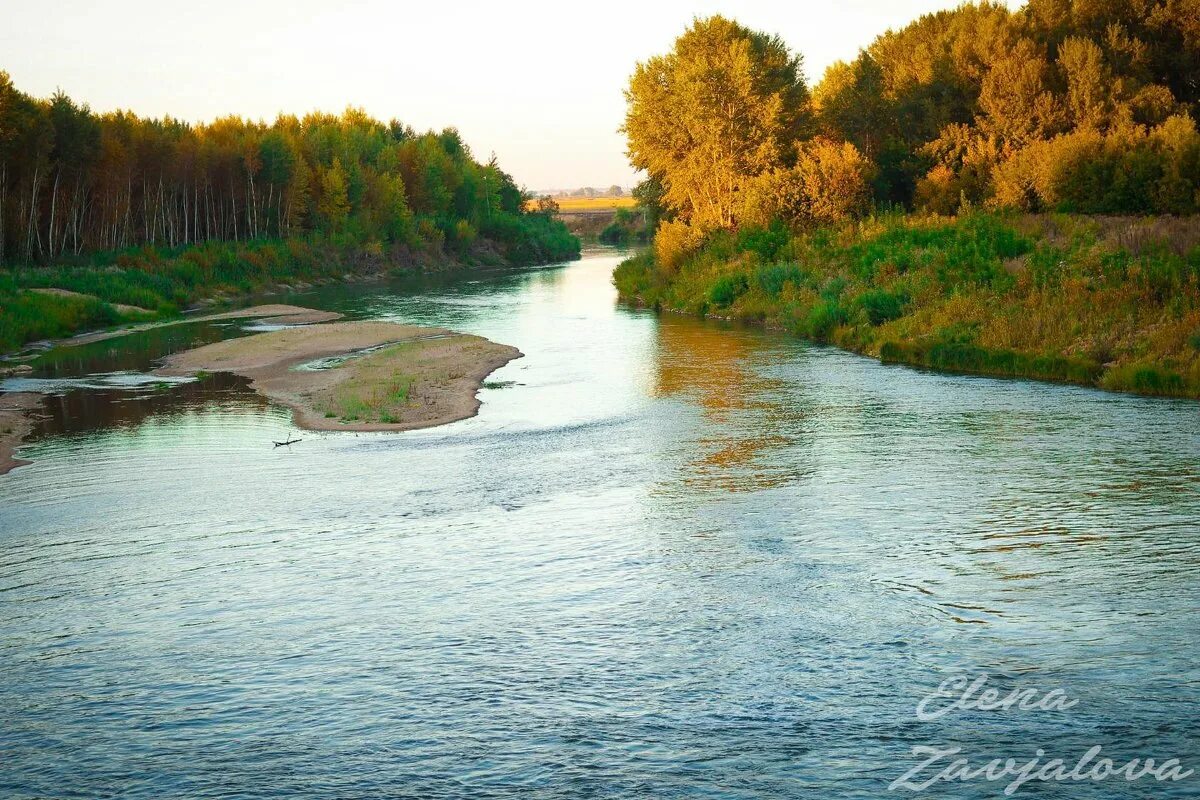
(1065, 105)
(75, 182)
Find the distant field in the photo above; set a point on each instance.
(590, 203)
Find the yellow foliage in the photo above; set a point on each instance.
(834, 179)
(725, 105)
(829, 183)
(675, 241)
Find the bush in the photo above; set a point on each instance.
(674, 242)
(1146, 379)
(27, 316)
(882, 306)
(615, 234)
(763, 242)
(727, 289)
(771, 278)
(823, 318)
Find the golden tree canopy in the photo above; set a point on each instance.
(725, 105)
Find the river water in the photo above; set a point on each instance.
(670, 558)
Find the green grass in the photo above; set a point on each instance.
(372, 395)
(28, 316)
(162, 280)
(1052, 298)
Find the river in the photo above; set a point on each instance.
(669, 558)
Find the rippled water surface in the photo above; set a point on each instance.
(668, 559)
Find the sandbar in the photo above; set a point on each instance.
(358, 376)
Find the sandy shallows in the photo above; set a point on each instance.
(15, 424)
(358, 376)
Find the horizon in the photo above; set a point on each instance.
(568, 100)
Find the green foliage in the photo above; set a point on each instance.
(116, 182)
(881, 305)
(1054, 106)
(727, 104)
(628, 226)
(772, 278)
(727, 288)
(1048, 298)
(27, 316)
(822, 318)
(157, 214)
(763, 242)
(1150, 379)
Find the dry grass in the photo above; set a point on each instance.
(569, 204)
(1137, 235)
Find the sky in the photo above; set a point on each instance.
(537, 83)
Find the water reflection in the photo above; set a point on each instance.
(719, 369)
(135, 352)
(84, 410)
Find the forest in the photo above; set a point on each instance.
(931, 199)
(158, 213)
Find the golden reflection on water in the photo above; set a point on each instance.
(713, 368)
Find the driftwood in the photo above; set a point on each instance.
(290, 441)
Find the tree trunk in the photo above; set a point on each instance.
(32, 226)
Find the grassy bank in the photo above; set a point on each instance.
(1107, 302)
(148, 283)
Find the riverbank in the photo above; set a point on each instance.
(151, 284)
(1107, 302)
(16, 407)
(276, 313)
(15, 425)
(358, 376)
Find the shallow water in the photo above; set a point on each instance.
(669, 558)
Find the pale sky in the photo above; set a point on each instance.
(539, 83)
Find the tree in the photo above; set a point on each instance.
(1088, 82)
(830, 183)
(851, 105)
(725, 105)
(334, 203)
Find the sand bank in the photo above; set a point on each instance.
(376, 376)
(15, 424)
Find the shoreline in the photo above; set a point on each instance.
(411, 377)
(15, 425)
(285, 314)
(357, 265)
(387, 377)
(774, 326)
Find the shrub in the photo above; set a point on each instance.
(823, 318)
(763, 242)
(882, 306)
(1145, 379)
(615, 234)
(835, 179)
(674, 242)
(830, 183)
(771, 278)
(727, 289)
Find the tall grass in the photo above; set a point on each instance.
(1062, 298)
